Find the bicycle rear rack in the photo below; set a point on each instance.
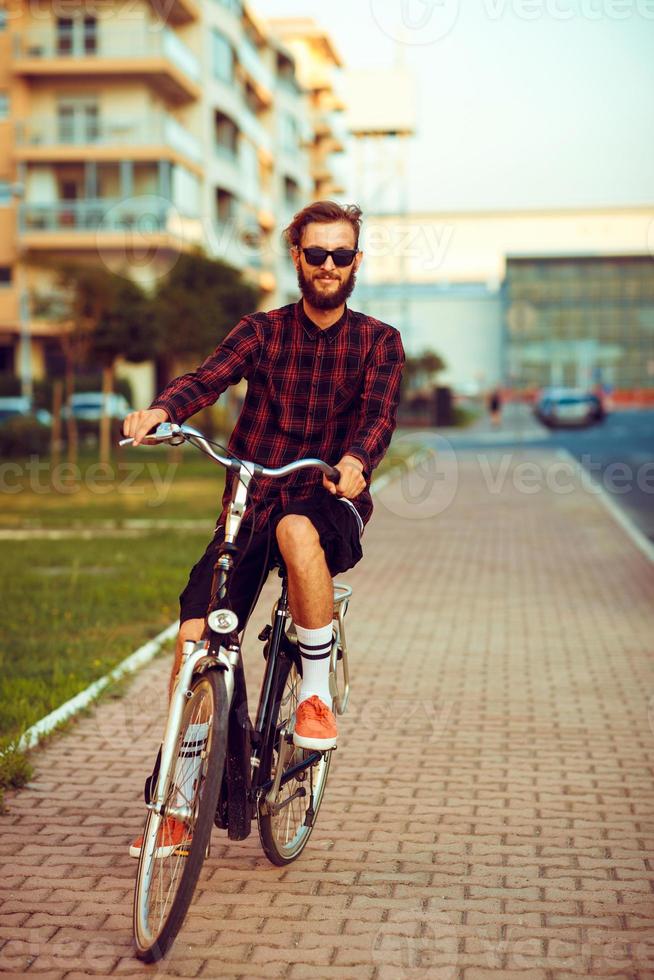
(340, 690)
(342, 594)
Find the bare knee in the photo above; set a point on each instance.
(297, 538)
(190, 629)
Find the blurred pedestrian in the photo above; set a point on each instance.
(495, 408)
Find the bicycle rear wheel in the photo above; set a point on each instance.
(286, 822)
(167, 876)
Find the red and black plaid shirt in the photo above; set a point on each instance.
(311, 392)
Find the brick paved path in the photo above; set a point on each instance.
(489, 813)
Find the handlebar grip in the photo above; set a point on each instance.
(334, 475)
(128, 440)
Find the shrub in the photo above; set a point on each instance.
(464, 416)
(9, 385)
(24, 436)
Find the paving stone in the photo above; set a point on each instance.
(488, 810)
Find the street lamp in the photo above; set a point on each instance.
(25, 345)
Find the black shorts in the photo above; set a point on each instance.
(339, 530)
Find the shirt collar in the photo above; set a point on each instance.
(313, 330)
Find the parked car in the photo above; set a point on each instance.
(18, 406)
(558, 407)
(86, 406)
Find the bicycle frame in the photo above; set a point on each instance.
(220, 649)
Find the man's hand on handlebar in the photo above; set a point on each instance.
(138, 424)
(351, 483)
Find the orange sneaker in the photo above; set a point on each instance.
(315, 725)
(173, 834)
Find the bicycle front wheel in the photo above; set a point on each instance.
(286, 821)
(170, 864)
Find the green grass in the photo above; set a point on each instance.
(146, 483)
(74, 608)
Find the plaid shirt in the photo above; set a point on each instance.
(311, 392)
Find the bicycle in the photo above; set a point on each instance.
(214, 766)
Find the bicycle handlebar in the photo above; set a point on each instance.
(176, 434)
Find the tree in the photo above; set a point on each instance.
(196, 305)
(127, 328)
(103, 316)
(85, 293)
(421, 371)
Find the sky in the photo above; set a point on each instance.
(520, 103)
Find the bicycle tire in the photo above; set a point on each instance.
(152, 940)
(294, 814)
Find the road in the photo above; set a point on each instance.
(618, 453)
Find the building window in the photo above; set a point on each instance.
(6, 359)
(4, 105)
(5, 193)
(289, 132)
(78, 120)
(226, 132)
(3, 19)
(5, 275)
(286, 73)
(291, 191)
(222, 57)
(252, 100)
(225, 205)
(77, 36)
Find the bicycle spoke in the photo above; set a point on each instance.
(283, 830)
(165, 880)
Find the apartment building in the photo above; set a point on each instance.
(318, 68)
(257, 163)
(132, 132)
(104, 157)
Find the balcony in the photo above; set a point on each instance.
(176, 11)
(224, 169)
(128, 51)
(87, 223)
(330, 128)
(62, 139)
(255, 130)
(237, 239)
(260, 77)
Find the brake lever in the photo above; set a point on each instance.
(168, 432)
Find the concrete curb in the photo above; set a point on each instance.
(639, 539)
(65, 711)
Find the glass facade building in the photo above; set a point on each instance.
(580, 321)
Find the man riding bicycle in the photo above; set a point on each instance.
(323, 381)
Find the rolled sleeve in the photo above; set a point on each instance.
(232, 360)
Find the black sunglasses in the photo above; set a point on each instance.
(340, 256)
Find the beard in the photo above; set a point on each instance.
(326, 301)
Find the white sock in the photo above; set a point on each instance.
(315, 647)
(188, 762)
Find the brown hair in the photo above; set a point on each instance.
(323, 212)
